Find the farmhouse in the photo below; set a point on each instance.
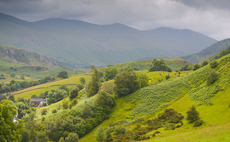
(38, 102)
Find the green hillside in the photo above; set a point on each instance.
(144, 64)
(212, 103)
(207, 52)
(22, 62)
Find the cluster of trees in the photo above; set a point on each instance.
(17, 85)
(159, 65)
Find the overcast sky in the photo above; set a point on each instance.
(210, 17)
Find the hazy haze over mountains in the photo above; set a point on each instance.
(75, 43)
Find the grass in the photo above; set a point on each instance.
(174, 64)
(37, 90)
(179, 94)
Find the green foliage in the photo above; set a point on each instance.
(100, 135)
(24, 137)
(80, 86)
(63, 74)
(61, 140)
(11, 97)
(214, 64)
(56, 95)
(65, 104)
(198, 123)
(213, 76)
(126, 83)
(192, 115)
(186, 68)
(64, 87)
(167, 77)
(82, 80)
(73, 92)
(110, 73)
(44, 111)
(224, 52)
(54, 110)
(196, 67)
(159, 65)
(120, 130)
(72, 137)
(204, 63)
(143, 80)
(9, 131)
(12, 75)
(93, 86)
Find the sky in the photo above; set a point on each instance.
(210, 17)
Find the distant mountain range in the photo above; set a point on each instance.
(207, 52)
(78, 44)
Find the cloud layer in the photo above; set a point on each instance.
(206, 16)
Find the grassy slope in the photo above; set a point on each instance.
(37, 90)
(174, 64)
(180, 94)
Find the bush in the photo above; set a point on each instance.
(167, 77)
(65, 104)
(54, 110)
(196, 67)
(126, 83)
(214, 64)
(204, 63)
(120, 130)
(198, 123)
(44, 111)
(159, 65)
(82, 80)
(80, 87)
(73, 93)
(192, 115)
(213, 76)
(63, 74)
(72, 137)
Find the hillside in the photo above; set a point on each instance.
(133, 111)
(207, 52)
(144, 64)
(78, 44)
(22, 62)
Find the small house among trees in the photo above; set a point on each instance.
(38, 102)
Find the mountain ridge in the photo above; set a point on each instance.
(78, 44)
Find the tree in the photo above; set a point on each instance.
(44, 111)
(56, 95)
(126, 83)
(143, 80)
(192, 115)
(196, 67)
(213, 76)
(61, 140)
(11, 97)
(100, 135)
(93, 85)
(82, 80)
(12, 75)
(159, 65)
(73, 92)
(65, 104)
(24, 137)
(72, 137)
(204, 63)
(22, 77)
(63, 74)
(9, 131)
(214, 64)
(110, 73)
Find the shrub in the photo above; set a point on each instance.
(73, 93)
(170, 126)
(72, 137)
(63, 74)
(65, 104)
(213, 76)
(214, 64)
(198, 123)
(44, 111)
(82, 80)
(204, 63)
(80, 87)
(196, 67)
(54, 110)
(120, 130)
(192, 115)
(167, 77)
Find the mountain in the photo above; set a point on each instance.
(79, 44)
(207, 52)
(20, 61)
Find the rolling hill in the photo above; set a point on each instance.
(78, 44)
(207, 52)
(20, 61)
